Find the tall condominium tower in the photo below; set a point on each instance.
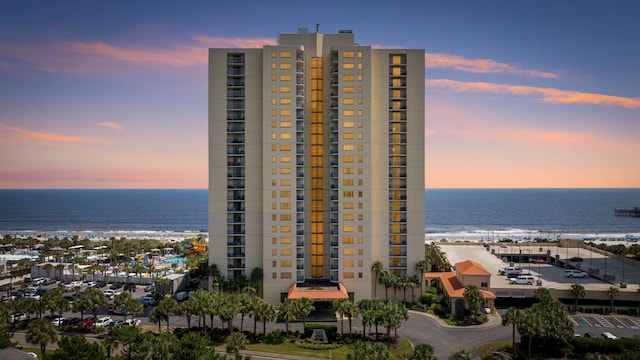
(316, 164)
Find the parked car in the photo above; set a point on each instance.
(99, 285)
(91, 284)
(522, 280)
(111, 293)
(115, 286)
(510, 271)
(59, 321)
(608, 335)
(576, 259)
(71, 321)
(147, 300)
(20, 317)
(113, 310)
(116, 323)
(539, 261)
(103, 322)
(150, 288)
(49, 281)
(182, 295)
(33, 296)
(88, 322)
(591, 335)
(575, 274)
(132, 322)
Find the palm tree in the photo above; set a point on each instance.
(461, 354)
(288, 311)
(55, 302)
(235, 343)
(305, 307)
(422, 267)
(166, 307)
(339, 305)
(188, 308)
(377, 268)
(473, 296)
(512, 317)
(96, 298)
(129, 286)
(109, 344)
(386, 278)
(612, 292)
(245, 300)
(229, 309)
(264, 312)
(422, 352)
(42, 332)
(577, 291)
(256, 278)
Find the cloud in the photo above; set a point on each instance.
(484, 66)
(548, 95)
(111, 125)
(13, 134)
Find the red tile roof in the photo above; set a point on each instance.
(471, 268)
(324, 294)
(453, 286)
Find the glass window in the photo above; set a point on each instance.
(348, 136)
(348, 54)
(285, 217)
(285, 194)
(347, 89)
(348, 66)
(285, 89)
(285, 147)
(285, 77)
(285, 159)
(285, 252)
(285, 66)
(285, 124)
(348, 205)
(348, 159)
(285, 205)
(348, 275)
(285, 101)
(348, 193)
(348, 112)
(285, 136)
(348, 147)
(285, 275)
(348, 228)
(285, 240)
(285, 263)
(348, 171)
(348, 217)
(348, 240)
(348, 263)
(285, 54)
(348, 101)
(348, 77)
(348, 252)
(285, 171)
(347, 182)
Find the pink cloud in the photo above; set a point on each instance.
(484, 66)
(111, 125)
(548, 95)
(13, 134)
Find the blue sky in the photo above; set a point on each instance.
(518, 94)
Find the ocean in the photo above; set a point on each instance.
(449, 213)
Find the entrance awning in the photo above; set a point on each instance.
(318, 293)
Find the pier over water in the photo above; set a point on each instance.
(634, 211)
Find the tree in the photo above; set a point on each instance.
(81, 305)
(188, 308)
(190, 346)
(305, 307)
(229, 309)
(42, 332)
(473, 296)
(55, 302)
(236, 342)
(386, 278)
(377, 267)
(577, 291)
(511, 317)
(129, 286)
(78, 348)
(340, 305)
(264, 312)
(368, 351)
(422, 266)
(422, 352)
(245, 300)
(288, 311)
(166, 307)
(256, 278)
(109, 344)
(612, 292)
(460, 355)
(392, 315)
(96, 299)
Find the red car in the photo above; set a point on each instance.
(88, 322)
(539, 261)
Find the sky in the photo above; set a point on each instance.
(518, 94)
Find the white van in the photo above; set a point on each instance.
(522, 280)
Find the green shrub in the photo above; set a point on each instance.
(330, 330)
(427, 298)
(274, 338)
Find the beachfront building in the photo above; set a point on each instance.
(316, 164)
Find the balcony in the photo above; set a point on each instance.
(235, 254)
(235, 243)
(235, 129)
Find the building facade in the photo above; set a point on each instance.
(316, 162)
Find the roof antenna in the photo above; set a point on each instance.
(317, 27)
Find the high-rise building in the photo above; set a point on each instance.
(316, 164)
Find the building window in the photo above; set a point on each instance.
(348, 112)
(348, 66)
(347, 89)
(285, 194)
(285, 66)
(285, 101)
(348, 275)
(348, 252)
(348, 263)
(285, 171)
(348, 101)
(285, 77)
(348, 54)
(348, 228)
(285, 136)
(285, 240)
(285, 263)
(347, 124)
(285, 275)
(285, 112)
(285, 252)
(285, 124)
(484, 285)
(285, 54)
(285, 159)
(347, 240)
(348, 78)
(285, 89)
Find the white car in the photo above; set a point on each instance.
(132, 322)
(103, 322)
(32, 296)
(147, 300)
(111, 293)
(59, 321)
(575, 274)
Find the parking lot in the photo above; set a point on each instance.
(620, 326)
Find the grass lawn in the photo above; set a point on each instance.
(488, 348)
(339, 353)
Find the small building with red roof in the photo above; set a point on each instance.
(453, 284)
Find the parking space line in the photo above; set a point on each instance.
(635, 322)
(575, 323)
(585, 321)
(603, 321)
(622, 324)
